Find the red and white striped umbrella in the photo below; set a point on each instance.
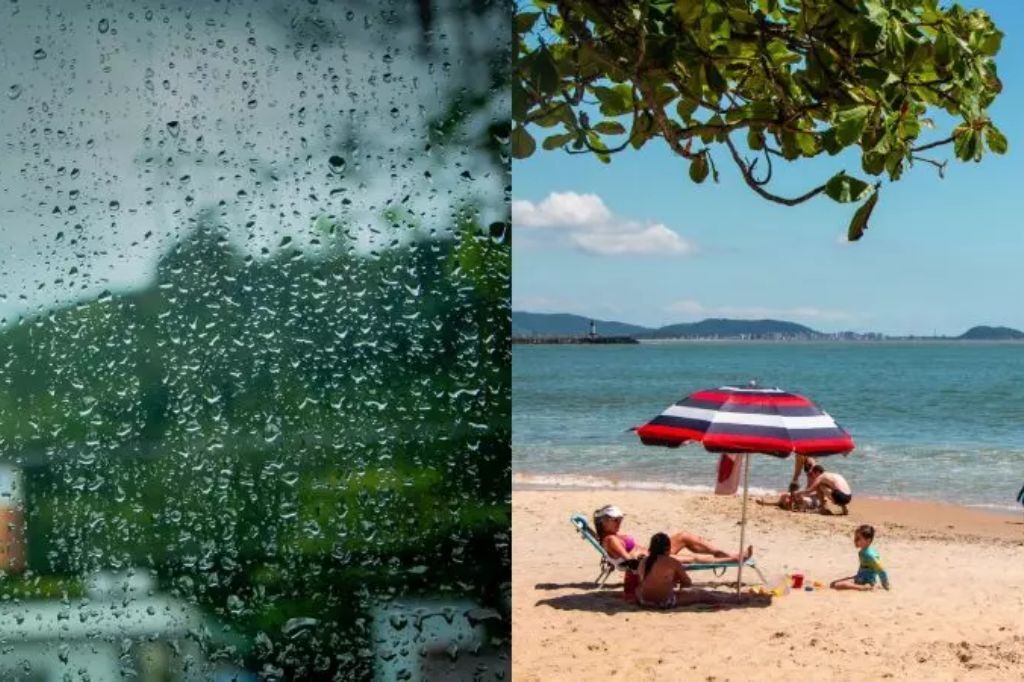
(749, 419)
(745, 421)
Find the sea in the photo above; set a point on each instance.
(931, 420)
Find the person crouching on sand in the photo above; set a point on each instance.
(608, 524)
(792, 502)
(828, 485)
(871, 570)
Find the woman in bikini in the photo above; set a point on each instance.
(608, 523)
(663, 581)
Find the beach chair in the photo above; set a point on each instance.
(610, 565)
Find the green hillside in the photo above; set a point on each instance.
(560, 324)
(277, 438)
(983, 333)
(724, 328)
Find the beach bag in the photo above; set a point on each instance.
(728, 475)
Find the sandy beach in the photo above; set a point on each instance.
(956, 610)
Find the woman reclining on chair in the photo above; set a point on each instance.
(608, 522)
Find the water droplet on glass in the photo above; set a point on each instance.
(14, 92)
(39, 54)
(173, 128)
(337, 164)
(499, 231)
(104, 25)
(296, 626)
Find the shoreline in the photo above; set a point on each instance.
(552, 482)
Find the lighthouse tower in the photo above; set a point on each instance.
(593, 330)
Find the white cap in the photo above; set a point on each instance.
(609, 511)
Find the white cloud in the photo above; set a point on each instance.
(562, 209)
(652, 239)
(696, 309)
(591, 227)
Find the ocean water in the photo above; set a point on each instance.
(931, 420)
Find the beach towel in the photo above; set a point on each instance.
(728, 475)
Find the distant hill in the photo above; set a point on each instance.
(563, 324)
(723, 328)
(983, 333)
(560, 324)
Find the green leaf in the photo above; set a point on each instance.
(543, 72)
(713, 77)
(699, 169)
(520, 101)
(844, 188)
(859, 223)
(964, 142)
(523, 144)
(615, 101)
(874, 76)
(685, 108)
(556, 141)
(689, 10)
(807, 144)
(642, 131)
(755, 139)
(873, 163)
(524, 21)
(995, 140)
(850, 124)
(830, 143)
(610, 128)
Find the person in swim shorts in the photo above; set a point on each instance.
(828, 486)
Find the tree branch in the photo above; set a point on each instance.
(932, 145)
(941, 165)
(753, 183)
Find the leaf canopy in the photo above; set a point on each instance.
(790, 79)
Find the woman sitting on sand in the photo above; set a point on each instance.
(660, 574)
(608, 523)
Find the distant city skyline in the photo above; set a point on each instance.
(636, 241)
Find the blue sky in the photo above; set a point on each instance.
(942, 255)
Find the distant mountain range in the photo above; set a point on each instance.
(984, 333)
(536, 325)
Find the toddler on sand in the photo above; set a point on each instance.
(871, 570)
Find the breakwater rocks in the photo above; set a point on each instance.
(573, 340)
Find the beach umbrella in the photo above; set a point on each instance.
(744, 421)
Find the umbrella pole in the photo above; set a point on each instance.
(743, 521)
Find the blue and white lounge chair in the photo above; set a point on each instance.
(610, 565)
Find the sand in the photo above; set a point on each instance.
(956, 610)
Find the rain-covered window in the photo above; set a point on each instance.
(254, 354)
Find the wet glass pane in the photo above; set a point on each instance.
(254, 350)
